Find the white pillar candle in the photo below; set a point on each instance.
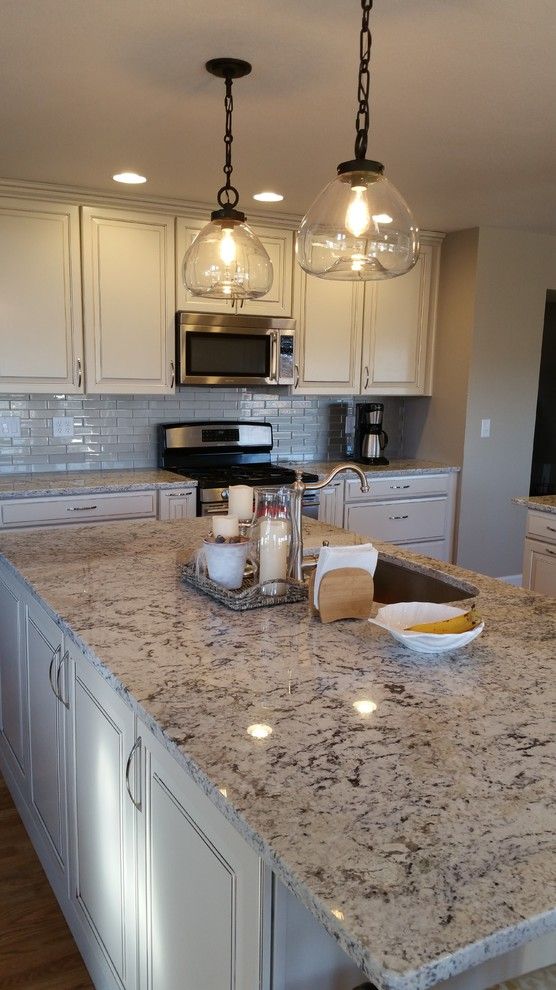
(274, 547)
(225, 526)
(240, 501)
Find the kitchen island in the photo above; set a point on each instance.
(421, 834)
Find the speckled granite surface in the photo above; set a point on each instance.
(88, 482)
(541, 503)
(401, 467)
(429, 823)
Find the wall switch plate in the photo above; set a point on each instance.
(10, 426)
(485, 428)
(62, 426)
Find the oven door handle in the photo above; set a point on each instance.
(273, 376)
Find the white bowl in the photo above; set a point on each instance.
(396, 618)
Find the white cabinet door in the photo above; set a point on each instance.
(328, 335)
(41, 346)
(103, 839)
(129, 301)
(399, 329)
(201, 900)
(331, 509)
(47, 701)
(177, 505)
(539, 567)
(12, 680)
(279, 245)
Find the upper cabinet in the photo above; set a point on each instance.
(328, 320)
(279, 245)
(128, 301)
(399, 328)
(375, 338)
(41, 347)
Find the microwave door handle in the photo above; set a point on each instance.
(273, 377)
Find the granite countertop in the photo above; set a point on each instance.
(397, 467)
(427, 827)
(541, 503)
(88, 482)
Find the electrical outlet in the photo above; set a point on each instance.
(10, 426)
(62, 426)
(485, 428)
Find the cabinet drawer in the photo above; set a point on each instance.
(422, 519)
(398, 487)
(439, 549)
(77, 508)
(542, 526)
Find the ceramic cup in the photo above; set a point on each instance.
(225, 562)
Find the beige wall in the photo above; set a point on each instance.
(497, 305)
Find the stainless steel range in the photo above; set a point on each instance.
(229, 452)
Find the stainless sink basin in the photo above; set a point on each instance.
(396, 582)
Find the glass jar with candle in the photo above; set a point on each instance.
(272, 537)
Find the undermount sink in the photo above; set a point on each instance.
(396, 582)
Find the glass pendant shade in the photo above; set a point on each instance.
(358, 229)
(227, 261)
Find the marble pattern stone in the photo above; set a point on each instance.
(540, 503)
(89, 482)
(406, 467)
(427, 826)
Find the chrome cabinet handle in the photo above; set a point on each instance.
(296, 382)
(81, 508)
(173, 374)
(79, 374)
(366, 372)
(136, 746)
(58, 691)
(398, 517)
(551, 528)
(394, 487)
(551, 552)
(179, 494)
(55, 653)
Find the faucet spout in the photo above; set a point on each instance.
(299, 488)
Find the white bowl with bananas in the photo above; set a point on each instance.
(429, 628)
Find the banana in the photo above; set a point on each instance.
(458, 624)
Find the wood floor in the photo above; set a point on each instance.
(37, 951)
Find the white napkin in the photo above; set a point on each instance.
(331, 558)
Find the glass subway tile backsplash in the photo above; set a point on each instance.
(120, 431)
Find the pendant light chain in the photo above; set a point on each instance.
(228, 194)
(362, 118)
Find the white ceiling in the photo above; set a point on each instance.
(463, 97)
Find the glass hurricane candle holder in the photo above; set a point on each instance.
(271, 533)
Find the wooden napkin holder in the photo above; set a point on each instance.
(346, 593)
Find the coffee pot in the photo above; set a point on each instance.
(370, 438)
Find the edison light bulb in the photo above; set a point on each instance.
(227, 247)
(358, 217)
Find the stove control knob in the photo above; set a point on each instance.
(224, 495)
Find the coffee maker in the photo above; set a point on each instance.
(370, 438)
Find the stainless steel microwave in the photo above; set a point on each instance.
(232, 349)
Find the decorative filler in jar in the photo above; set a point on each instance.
(272, 539)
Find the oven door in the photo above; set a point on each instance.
(217, 355)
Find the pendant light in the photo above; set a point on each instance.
(359, 227)
(226, 260)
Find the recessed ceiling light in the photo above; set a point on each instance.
(132, 178)
(268, 197)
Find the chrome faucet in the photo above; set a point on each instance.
(299, 488)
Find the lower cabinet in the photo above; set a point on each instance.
(161, 892)
(539, 567)
(412, 511)
(103, 819)
(47, 701)
(180, 504)
(331, 508)
(12, 681)
(201, 887)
